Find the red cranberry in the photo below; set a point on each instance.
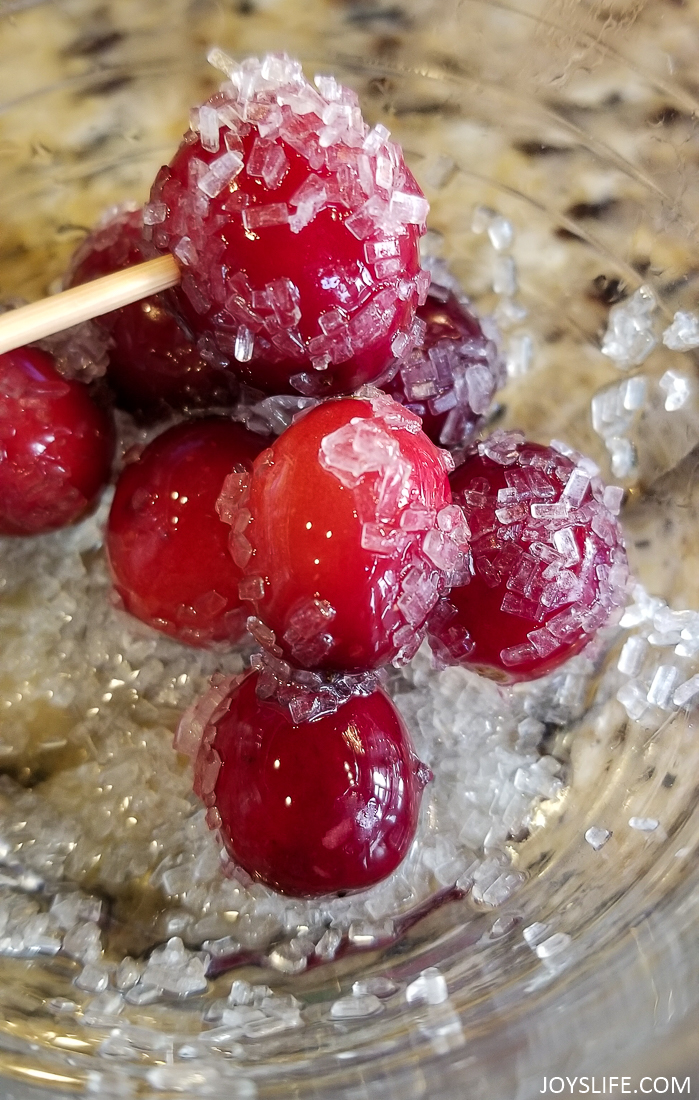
(548, 561)
(451, 378)
(314, 808)
(154, 366)
(167, 546)
(297, 231)
(352, 535)
(56, 446)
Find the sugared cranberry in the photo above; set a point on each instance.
(297, 231)
(548, 561)
(314, 808)
(56, 446)
(167, 546)
(451, 378)
(154, 365)
(351, 535)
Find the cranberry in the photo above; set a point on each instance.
(56, 445)
(548, 561)
(314, 808)
(297, 231)
(351, 538)
(167, 546)
(153, 364)
(451, 378)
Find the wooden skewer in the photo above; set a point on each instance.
(60, 311)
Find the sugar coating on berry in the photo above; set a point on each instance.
(309, 808)
(56, 445)
(548, 564)
(347, 535)
(451, 377)
(166, 544)
(309, 695)
(296, 227)
(152, 362)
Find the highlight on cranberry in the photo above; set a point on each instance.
(346, 535)
(296, 227)
(310, 808)
(154, 365)
(167, 547)
(548, 564)
(56, 445)
(450, 378)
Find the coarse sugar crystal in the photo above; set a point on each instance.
(623, 456)
(93, 977)
(632, 655)
(500, 232)
(505, 276)
(683, 333)
(429, 987)
(644, 824)
(356, 1007)
(104, 1009)
(378, 986)
(556, 944)
(662, 688)
(686, 692)
(633, 696)
(677, 388)
(630, 335)
(535, 933)
(597, 837)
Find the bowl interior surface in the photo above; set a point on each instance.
(577, 123)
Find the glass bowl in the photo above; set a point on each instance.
(574, 126)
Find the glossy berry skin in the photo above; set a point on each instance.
(548, 564)
(450, 379)
(287, 265)
(318, 808)
(154, 365)
(342, 552)
(56, 446)
(167, 546)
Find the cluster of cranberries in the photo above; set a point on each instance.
(344, 542)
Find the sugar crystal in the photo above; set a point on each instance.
(500, 232)
(630, 338)
(597, 837)
(520, 355)
(378, 986)
(220, 173)
(261, 217)
(356, 1007)
(623, 454)
(505, 276)
(686, 691)
(677, 388)
(535, 933)
(644, 824)
(553, 945)
(208, 126)
(93, 977)
(429, 988)
(663, 685)
(632, 655)
(244, 345)
(683, 333)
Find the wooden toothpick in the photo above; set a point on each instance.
(60, 311)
